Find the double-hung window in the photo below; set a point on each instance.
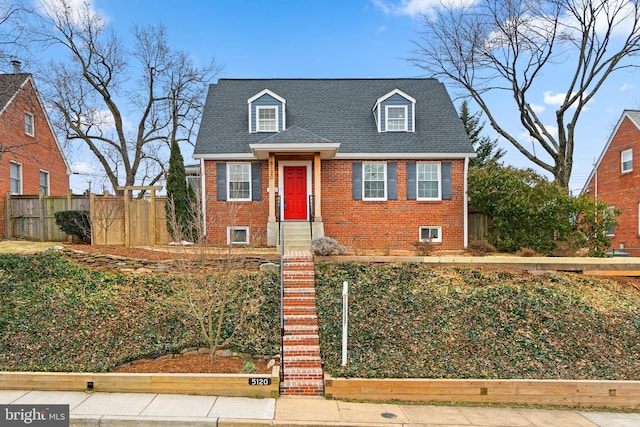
(374, 181)
(44, 183)
(239, 182)
(15, 176)
(626, 160)
(29, 128)
(428, 179)
(397, 118)
(267, 119)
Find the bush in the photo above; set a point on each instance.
(324, 246)
(424, 247)
(527, 253)
(480, 248)
(75, 223)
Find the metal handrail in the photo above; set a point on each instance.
(311, 215)
(281, 240)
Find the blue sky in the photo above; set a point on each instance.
(339, 38)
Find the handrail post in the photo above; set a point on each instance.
(281, 240)
(311, 216)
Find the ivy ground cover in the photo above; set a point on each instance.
(411, 321)
(58, 316)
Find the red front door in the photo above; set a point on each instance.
(295, 192)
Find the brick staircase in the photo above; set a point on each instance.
(301, 362)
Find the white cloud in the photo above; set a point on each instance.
(382, 29)
(417, 7)
(538, 109)
(625, 87)
(76, 7)
(554, 99)
(82, 168)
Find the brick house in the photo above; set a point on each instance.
(372, 163)
(32, 160)
(615, 176)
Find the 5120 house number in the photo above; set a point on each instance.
(259, 381)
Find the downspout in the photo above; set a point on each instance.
(203, 204)
(466, 204)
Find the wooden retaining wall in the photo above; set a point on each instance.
(573, 393)
(233, 385)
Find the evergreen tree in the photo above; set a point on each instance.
(485, 147)
(178, 192)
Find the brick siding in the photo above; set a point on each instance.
(621, 190)
(386, 225)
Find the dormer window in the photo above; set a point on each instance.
(396, 118)
(395, 112)
(267, 119)
(267, 112)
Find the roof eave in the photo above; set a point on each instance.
(326, 150)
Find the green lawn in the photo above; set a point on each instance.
(414, 321)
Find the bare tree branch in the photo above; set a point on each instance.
(505, 46)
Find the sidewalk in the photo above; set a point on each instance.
(138, 409)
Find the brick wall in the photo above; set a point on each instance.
(34, 153)
(392, 224)
(357, 224)
(618, 189)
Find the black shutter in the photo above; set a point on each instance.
(221, 174)
(411, 181)
(256, 181)
(392, 181)
(446, 180)
(356, 181)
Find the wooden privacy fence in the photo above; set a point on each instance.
(123, 220)
(32, 217)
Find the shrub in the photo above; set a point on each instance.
(424, 247)
(480, 248)
(75, 223)
(324, 246)
(527, 252)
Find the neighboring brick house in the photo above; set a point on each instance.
(31, 159)
(615, 179)
(372, 163)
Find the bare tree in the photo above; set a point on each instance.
(127, 122)
(213, 297)
(497, 47)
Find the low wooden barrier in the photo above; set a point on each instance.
(243, 385)
(573, 393)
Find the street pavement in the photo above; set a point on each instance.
(92, 409)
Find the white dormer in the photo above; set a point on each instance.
(267, 112)
(395, 112)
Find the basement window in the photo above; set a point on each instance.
(431, 234)
(237, 235)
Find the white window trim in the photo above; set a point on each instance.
(437, 240)
(21, 175)
(439, 164)
(33, 124)
(266, 107)
(48, 182)
(630, 152)
(386, 189)
(406, 118)
(612, 209)
(230, 229)
(231, 199)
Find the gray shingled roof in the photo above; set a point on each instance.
(334, 110)
(9, 85)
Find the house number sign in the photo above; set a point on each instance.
(259, 381)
